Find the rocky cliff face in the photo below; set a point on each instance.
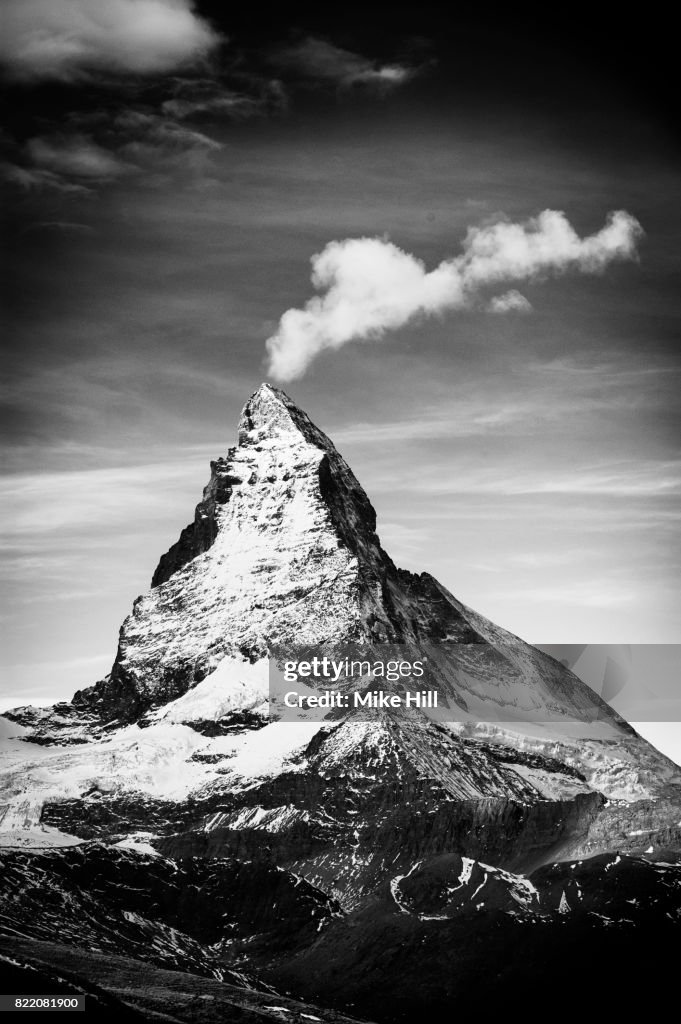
(170, 768)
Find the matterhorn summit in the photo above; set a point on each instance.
(176, 822)
(283, 548)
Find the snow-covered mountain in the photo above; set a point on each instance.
(172, 759)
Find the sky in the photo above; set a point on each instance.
(351, 204)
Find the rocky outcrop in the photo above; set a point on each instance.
(199, 535)
(455, 934)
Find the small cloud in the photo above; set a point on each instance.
(161, 132)
(510, 302)
(133, 141)
(164, 146)
(205, 98)
(369, 286)
(30, 179)
(75, 156)
(61, 226)
(231, 105)
(67, 40)
(209, 99)
(318, 60)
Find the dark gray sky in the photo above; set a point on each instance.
(165, 193)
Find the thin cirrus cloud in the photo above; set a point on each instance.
(137, 142)
(320, 61)
(67, 40)
(36, 179)
(75, 156)
(370, 286)
(209, 99)
(226, 104)
(65, 227)
(100, 498)
(645, 479)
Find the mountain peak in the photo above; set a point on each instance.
(282, 551)
(267, 396)
(268, 411)
(270, 415)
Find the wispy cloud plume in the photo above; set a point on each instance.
(68, 39)
(34, 179)
(134, 142)
(74, 501)
(210, 99)
(370, 286)
(76, 157)
(318, 60)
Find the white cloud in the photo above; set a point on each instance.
(209, 99)
(369, 286)
(320, 60)
(229, 105)
(510, 302)
(159, 144)
(78, 163)
(76, 156)
(66, 39)
(32, 179)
